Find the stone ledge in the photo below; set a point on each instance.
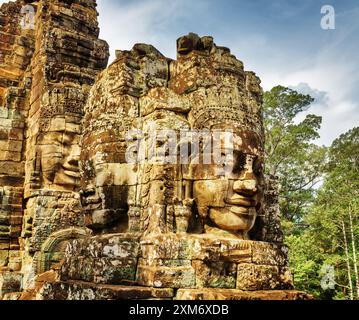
(230, 294)
(78, 290)
(206, 247)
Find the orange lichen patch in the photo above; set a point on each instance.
(12, 74)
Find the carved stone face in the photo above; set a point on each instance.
(108, 184)
(161, 167)
(59, 159)
(229, 195)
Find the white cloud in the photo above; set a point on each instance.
(148, 21)
(334, 86)
(320, 97)
(330, 73)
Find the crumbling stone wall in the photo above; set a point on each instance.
(47, 66)
(16, 50)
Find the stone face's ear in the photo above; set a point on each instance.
(35, 173)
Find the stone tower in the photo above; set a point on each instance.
(50, 55)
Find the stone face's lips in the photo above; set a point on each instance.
(243, 211)
(239, 210)
(92, 200)
(72, 174)
(233, 219)
(239, 200)
(90, 204)
(93, 207)
(71, 171)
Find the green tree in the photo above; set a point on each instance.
(290, 152)
(333, 227)
(321, 224)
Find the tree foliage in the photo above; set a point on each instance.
(321, 223)
(290, 152)
(333, 227)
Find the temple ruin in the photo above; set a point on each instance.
(78, 220)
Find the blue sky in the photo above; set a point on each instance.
(281, 40)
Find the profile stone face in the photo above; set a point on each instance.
(59, 154)
(141, 180)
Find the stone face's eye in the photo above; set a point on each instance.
(239, 161)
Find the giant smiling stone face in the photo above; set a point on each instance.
(228, 196)
(59, 154)
(229, 193)
(108, 184)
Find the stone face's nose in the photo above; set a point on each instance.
(247, 183)
(73, 158)
(73, 161)
(90, 190)
(89, 196)
(247, 187)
